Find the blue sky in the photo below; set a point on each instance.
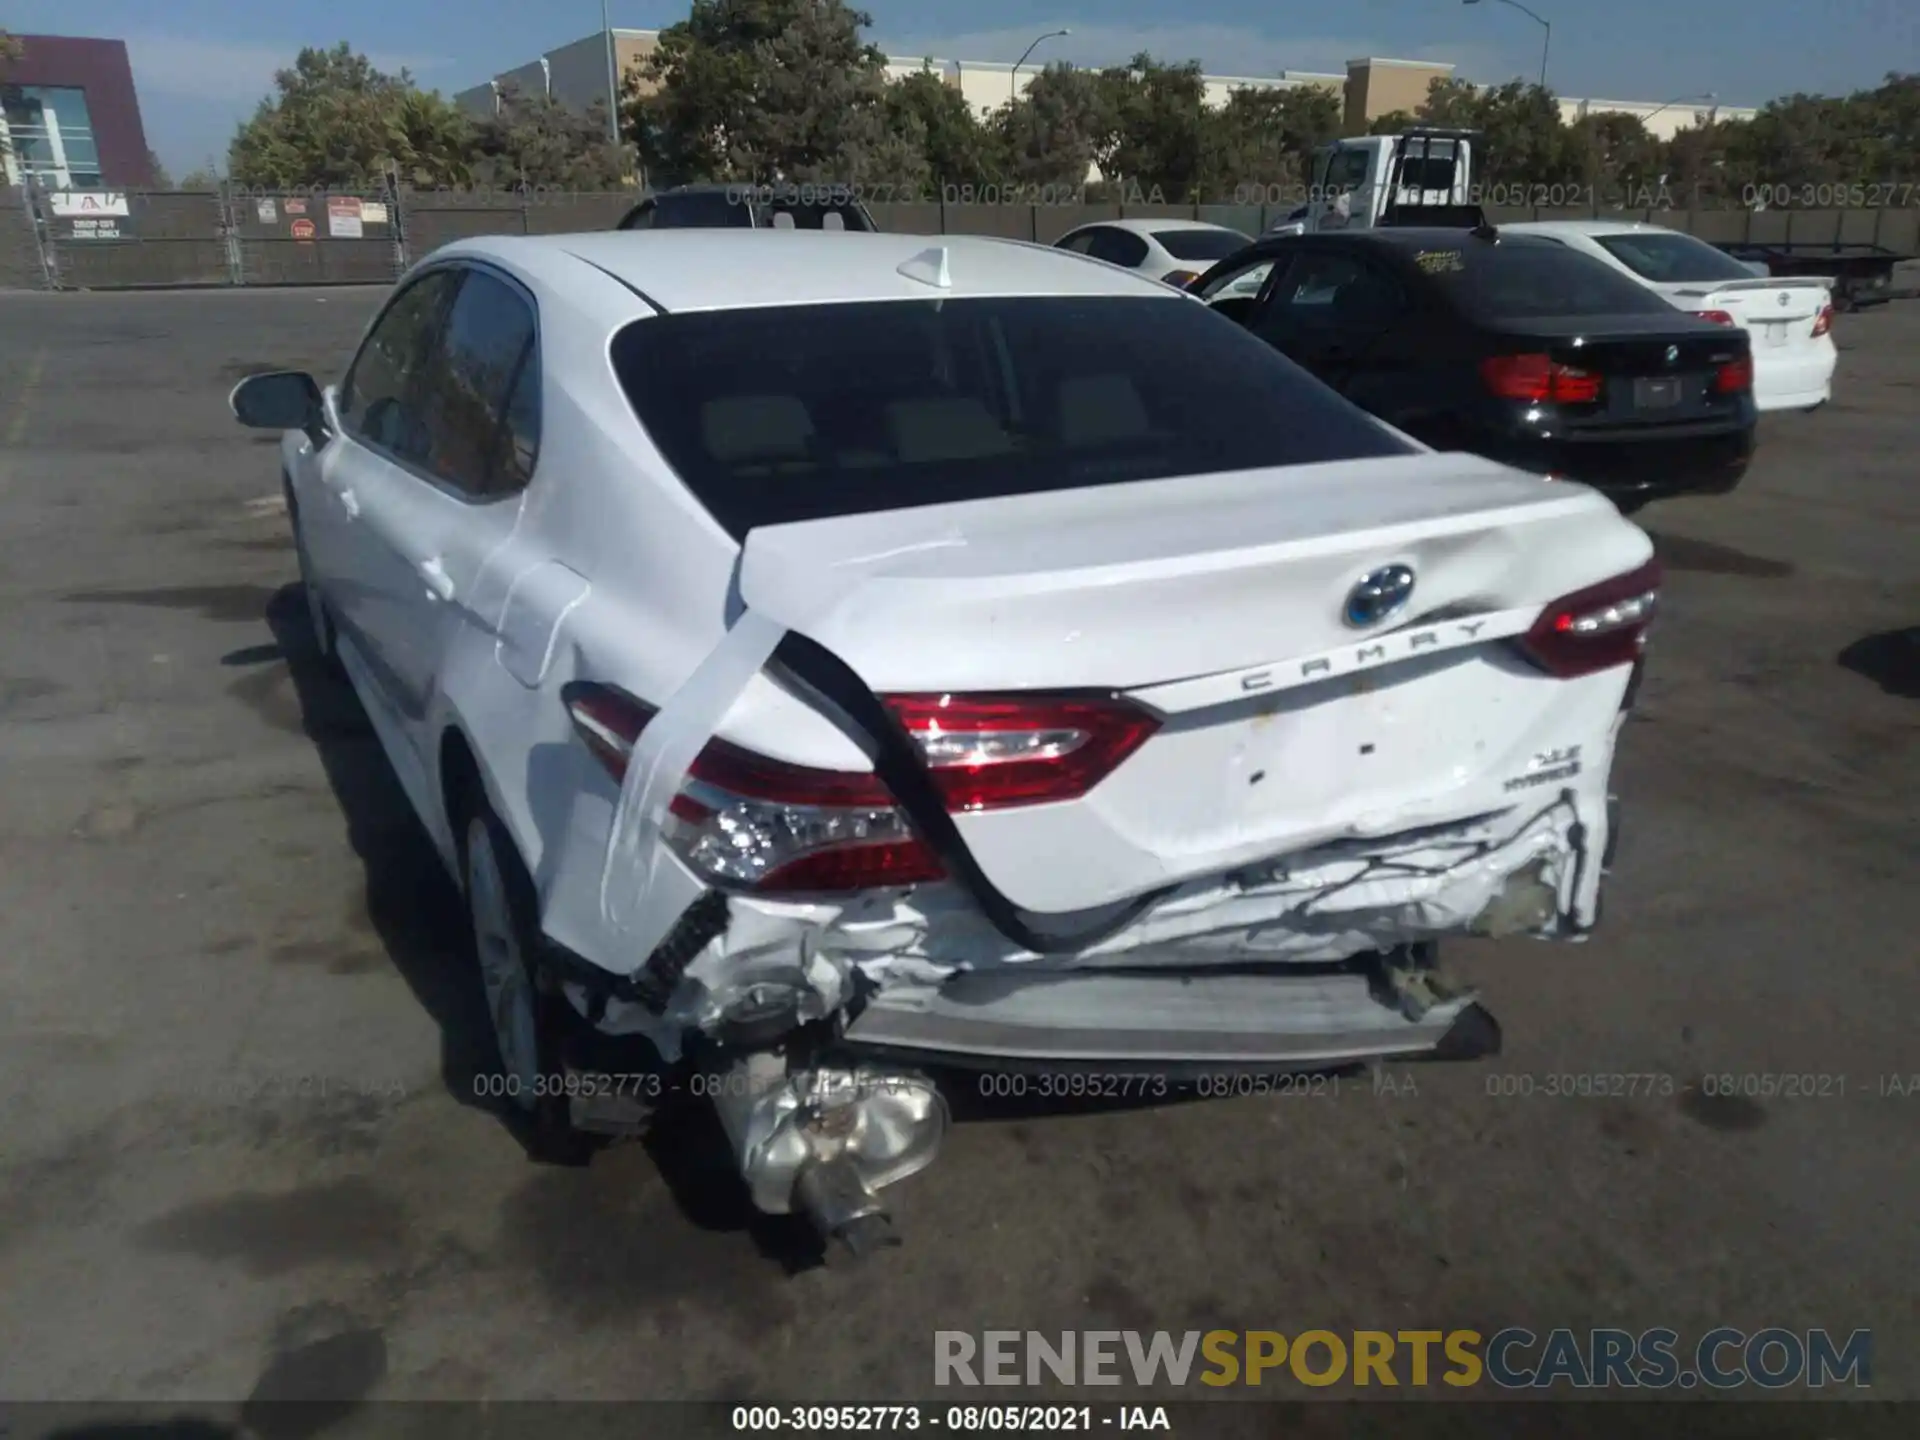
(201, 65)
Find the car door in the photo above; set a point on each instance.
(442, 524)
(375, 416)
(1328, 311)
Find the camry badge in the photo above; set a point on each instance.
(1377, 595)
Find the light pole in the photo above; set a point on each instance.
(613, 78)
(1545, 44)
(1678, 100)
(1013, 75)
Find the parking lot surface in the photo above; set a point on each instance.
(242, 1156)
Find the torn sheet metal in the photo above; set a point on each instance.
(642, 892)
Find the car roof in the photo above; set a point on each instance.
(741, 268)
(1154, 225)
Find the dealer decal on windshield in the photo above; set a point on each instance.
(1440, 262)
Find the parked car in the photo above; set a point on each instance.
(1173, 251)
(1788, 320)
(746, 207)
(1509, 346)
(823, 659)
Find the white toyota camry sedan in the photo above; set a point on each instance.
(830, 661)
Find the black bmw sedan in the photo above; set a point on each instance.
(1511, 347)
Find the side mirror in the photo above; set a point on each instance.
(277, 400)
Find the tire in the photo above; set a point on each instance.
(527, 1020)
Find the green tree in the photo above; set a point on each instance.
(1527, 149)
(1061, 125)
(1263, 139)
(1159, 128)
(535, 140)
(766, 90)
(1618, 160)
(959, 150)
(157, 173)
(200, 178)
(336, 120)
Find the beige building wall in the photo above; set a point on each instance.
(1377, 87)
(575, 74)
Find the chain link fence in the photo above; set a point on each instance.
(240, 236)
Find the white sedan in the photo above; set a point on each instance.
(1789, 320)
(818, 656)
(1175, 252)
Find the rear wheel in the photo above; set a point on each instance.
(528, 1072)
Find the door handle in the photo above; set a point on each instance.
(350, 503)
(439, 583)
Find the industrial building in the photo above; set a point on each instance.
(69, 117)
(577, 74)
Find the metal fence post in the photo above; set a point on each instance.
(396, 221)
(42, 238)
(230, 232)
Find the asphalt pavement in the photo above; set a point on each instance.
(242, 1157)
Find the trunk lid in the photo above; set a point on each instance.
(1218, 602)
(1777, 313)
(1655, 370)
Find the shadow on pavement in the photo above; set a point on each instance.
(1890, 659)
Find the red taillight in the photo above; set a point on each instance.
(745, 820)
(1596, 628)
(992, 752)
(1823, 322)
(1539, 378)
(1718, 317)
(1735, 377)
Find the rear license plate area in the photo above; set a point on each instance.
(1776, 334)
(1656, 392)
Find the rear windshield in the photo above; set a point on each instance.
(1522, 281)
(701, 210)
(1676, 258)
(803, 412)
(795, 215)
(1208, 245)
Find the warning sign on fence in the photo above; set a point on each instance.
(88, 204)
(303, 230)
(343, 218)
(267, 211)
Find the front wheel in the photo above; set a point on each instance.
(528, 1074)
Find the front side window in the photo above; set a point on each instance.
(480, 394)
(1241, 283)
(1327, 291)
(803, 412)
(380, 400)
(1209, 246)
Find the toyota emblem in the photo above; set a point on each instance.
(1377, 595)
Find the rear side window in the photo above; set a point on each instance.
(799, 413)
(480, 404)
(1672, 258)
(1207, 245)
(702, 210)
(1530, 281)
